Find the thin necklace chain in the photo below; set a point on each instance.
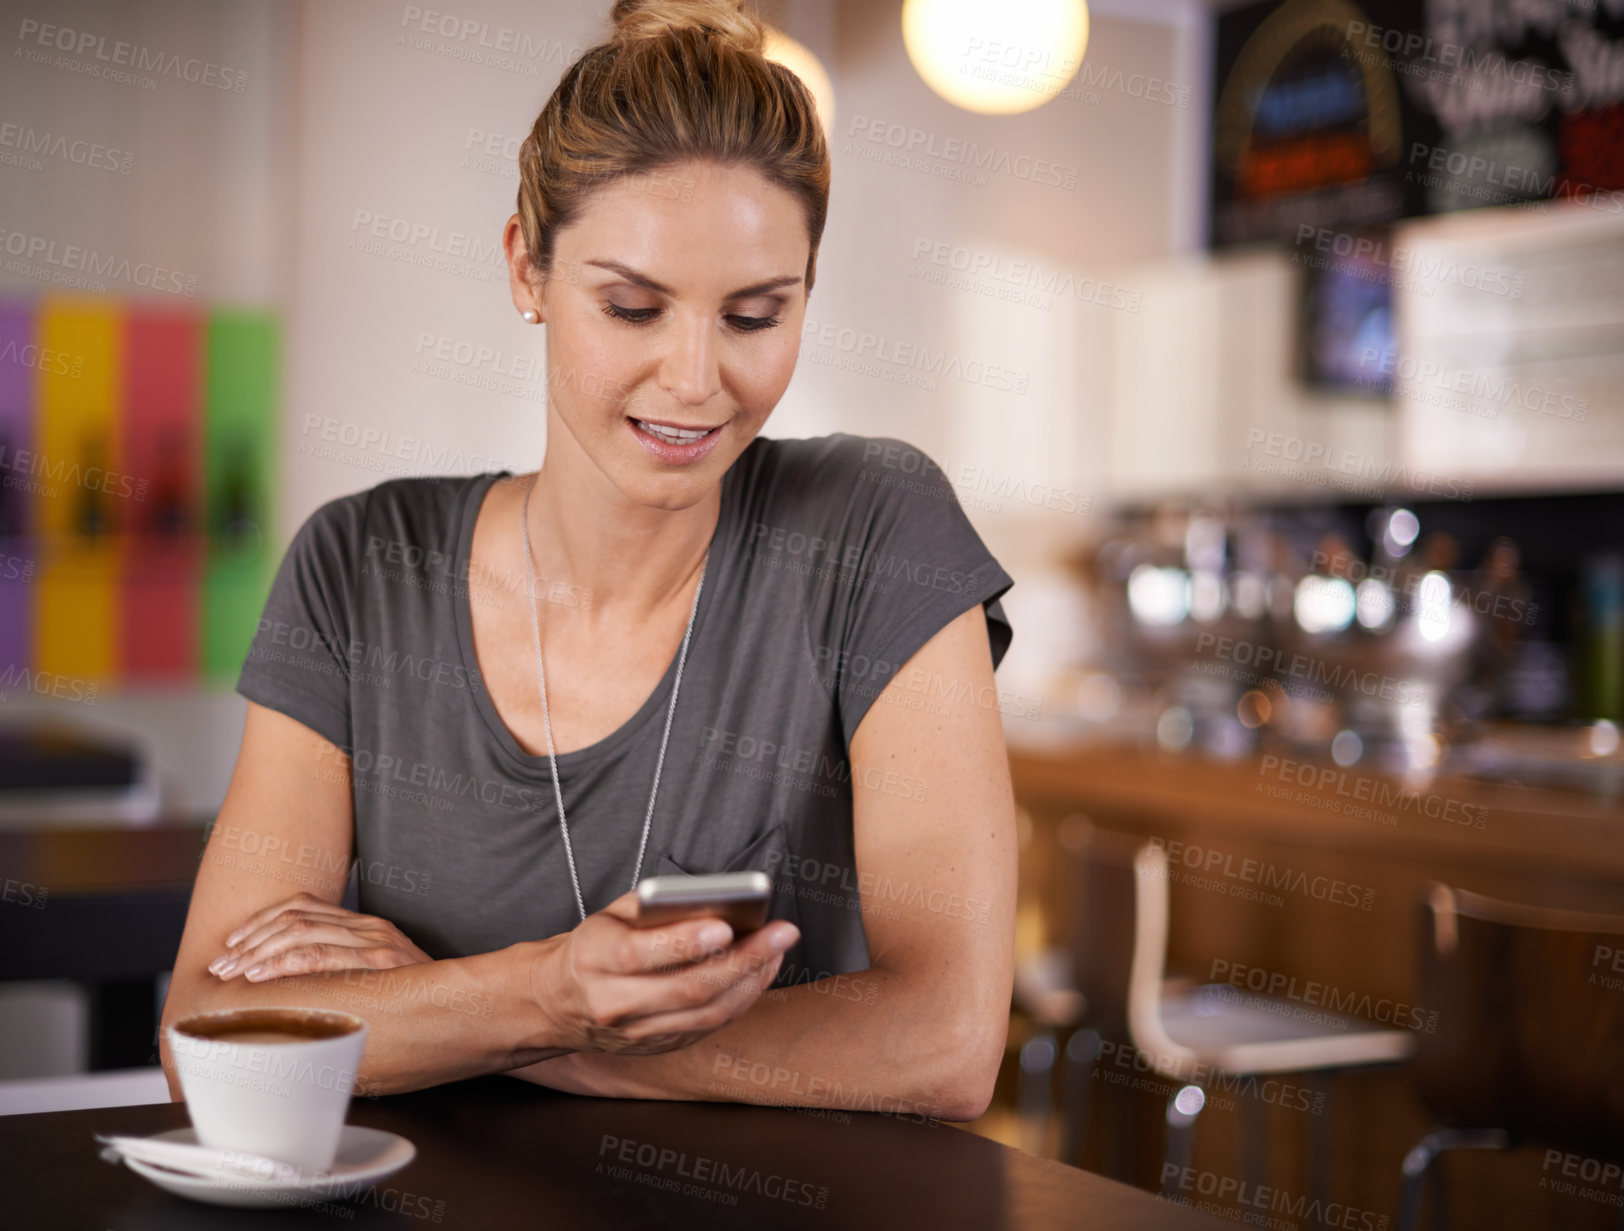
(541, 679)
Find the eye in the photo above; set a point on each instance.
(636, 316)
(642, 316)
(750, 324)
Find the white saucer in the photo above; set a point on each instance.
(365, 1155)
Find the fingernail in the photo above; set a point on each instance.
(226, 970)
(715, 935)
(254, 972)
(233, 938)
(783, 939)
(216, 965)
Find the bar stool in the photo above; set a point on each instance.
(1188, 1034)
(1528, 1046)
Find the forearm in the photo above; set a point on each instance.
(869, 1041)
(427, 1023)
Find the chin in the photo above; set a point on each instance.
(671, 496)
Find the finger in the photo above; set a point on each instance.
(278, 923)
(623, 907)
(732, 994)
(284, 913)
(290, 935)
(751, 964)
(308, 960)
(747, 958)
(633, 950)
(299, 901)
(748, 953)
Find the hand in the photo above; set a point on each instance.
(306, 935)
(610, 986)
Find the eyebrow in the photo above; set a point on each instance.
(642, 279)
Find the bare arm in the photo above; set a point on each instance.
(286, 827)
(278, 862)
(922, 1030)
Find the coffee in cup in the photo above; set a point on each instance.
(272, 1081)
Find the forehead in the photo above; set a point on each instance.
(692, 224)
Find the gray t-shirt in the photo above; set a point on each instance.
(834, 560)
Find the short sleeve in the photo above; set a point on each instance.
(297, 663)
(920, 564)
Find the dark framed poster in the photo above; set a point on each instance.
(1332, 116)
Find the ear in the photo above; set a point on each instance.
(523, 281)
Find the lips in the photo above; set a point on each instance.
(671, 433)
(675, 443)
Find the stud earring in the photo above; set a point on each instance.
(531, 316)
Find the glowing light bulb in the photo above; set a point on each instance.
(996, 59)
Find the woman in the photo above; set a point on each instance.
(707, 649)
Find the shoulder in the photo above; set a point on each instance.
(419, 501)
(844, 470)
(406, 510)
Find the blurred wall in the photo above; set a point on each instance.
(360, 180)
(209, 193)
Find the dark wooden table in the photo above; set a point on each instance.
(495, 1153)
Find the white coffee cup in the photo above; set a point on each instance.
(283, 1098)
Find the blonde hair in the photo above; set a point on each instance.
(677, 80)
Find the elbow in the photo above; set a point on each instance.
(966, 1072)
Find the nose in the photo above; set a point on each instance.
(690, 370)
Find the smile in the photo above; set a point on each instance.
(673, 435)
(673, 444)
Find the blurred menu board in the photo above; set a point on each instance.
(1334, 116)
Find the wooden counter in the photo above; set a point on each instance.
(1374, 849)
(1528, 831)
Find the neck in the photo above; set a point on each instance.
(631, 560)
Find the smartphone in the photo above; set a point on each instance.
(738, 898)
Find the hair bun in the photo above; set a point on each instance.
(724, 19)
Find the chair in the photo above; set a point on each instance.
(1530, 1020)
(1188, 1034)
